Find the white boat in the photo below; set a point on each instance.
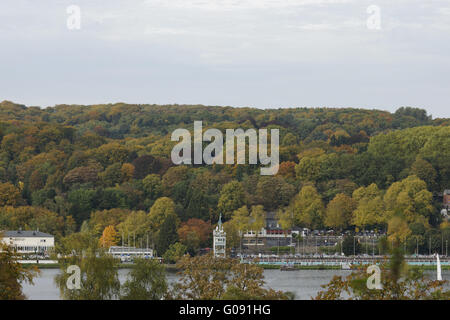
(438, 265)
(346, 266)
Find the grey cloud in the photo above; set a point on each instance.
(263, 53)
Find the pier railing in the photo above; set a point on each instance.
(342, 260)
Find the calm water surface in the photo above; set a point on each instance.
(304, 283)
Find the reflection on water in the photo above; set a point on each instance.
(304, 283)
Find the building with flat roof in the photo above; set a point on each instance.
(28, 241)
(270, 236)
(267, 238)
(127, 254)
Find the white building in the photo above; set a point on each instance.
(268, 238)
(127, 254)
(35, 242)
(220, 240)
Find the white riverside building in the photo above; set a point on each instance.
(127, 254)
(220, 240)
(29, 242)
(267, 238)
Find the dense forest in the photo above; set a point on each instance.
(96, 174)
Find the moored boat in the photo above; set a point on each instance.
(287, 267)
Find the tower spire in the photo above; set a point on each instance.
(219, 240)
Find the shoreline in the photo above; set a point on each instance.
(173, 268)
(329, 267)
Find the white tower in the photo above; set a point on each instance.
(220, 240)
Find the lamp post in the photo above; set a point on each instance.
(373, 246)
(417, 246)
(354, 245)
(429, 246)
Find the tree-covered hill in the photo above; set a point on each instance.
(69, 168)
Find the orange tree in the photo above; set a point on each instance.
(194, 233)
(109, 237)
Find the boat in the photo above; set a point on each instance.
(346, 266)
(287, 267)
(438, 267)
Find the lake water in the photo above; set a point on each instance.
(304, 283)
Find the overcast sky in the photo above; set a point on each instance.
(258, 53)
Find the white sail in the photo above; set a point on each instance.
(439, 274)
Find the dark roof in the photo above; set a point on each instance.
(25, 234)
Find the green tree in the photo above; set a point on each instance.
(350, 246)
(82, 202)
(273, 192)
(13, 274)
(232, 197)
(308, 169)
(424, 171)
(175, 252)
(209, 278)
(99, 277)
(152, 186)
(167, 235)
(398, 282)
(146, 281)
(112, 175)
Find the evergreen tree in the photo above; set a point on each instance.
(167, 235)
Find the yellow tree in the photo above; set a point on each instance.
(127, 171)
(285, 219)
(257, 220)
(308, 208)
(109, 237)
(136, 224)
(161, 209)
(410, 198)
(241, 220)
(9, 195)
(369, 206)
(398, 229)
(339, 211)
